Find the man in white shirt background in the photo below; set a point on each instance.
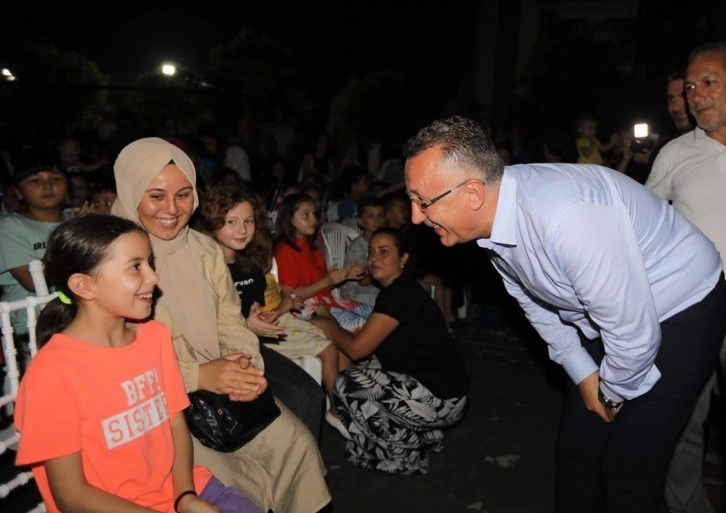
(690, 172)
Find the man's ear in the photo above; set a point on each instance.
(82, 286)
(476, 193)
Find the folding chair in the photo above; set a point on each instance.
(9, 436)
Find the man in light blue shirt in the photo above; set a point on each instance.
(627, 293)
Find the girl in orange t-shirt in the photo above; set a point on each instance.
(99, 407)
(301, 266)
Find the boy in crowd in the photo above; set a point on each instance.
(370, 217)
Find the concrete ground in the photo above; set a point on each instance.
(500, 458)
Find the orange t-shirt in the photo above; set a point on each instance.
(114, 406)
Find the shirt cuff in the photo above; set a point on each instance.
(608, 392)
(579, 365)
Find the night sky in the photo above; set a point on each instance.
(333, 41)
(336, 38)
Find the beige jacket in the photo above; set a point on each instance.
(281, 468)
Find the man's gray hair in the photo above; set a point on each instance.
(462, 141)
(713, 46)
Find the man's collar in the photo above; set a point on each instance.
(700, 134)
(505, 218)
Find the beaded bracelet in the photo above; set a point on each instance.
(181, 496)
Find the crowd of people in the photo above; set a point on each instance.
(198, 263)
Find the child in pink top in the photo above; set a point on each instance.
(99, 408)
(302, 270)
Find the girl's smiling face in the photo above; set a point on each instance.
(124, 282)
(238, 228)
(304, 220)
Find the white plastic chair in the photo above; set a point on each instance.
(336, 237)
(10, 436)
(37, 274)
(310, 364)
(331, 211)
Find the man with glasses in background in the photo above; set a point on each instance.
(626, 292)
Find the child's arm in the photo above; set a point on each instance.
(357, 253)
(627, 155)
(71, 492)
(285, 306)
(333, 278)
(289, 297)
(263, 324)
(306, 291)
(181, 469)
(22, 275)
(613, 141)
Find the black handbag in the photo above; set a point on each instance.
(226, 425)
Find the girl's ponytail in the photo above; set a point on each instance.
(55, 317)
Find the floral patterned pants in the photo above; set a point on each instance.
(394, 421)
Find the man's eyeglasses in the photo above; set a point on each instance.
(423, 205)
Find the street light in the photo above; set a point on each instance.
(168, 69)
(7, 74)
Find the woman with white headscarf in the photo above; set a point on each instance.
(281, 468)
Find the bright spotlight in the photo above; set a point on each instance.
(168, 69)
(640, 130)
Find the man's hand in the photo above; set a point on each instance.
(588, 391)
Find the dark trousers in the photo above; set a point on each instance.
(621, 466)
(295, 388)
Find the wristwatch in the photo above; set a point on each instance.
(606, 401)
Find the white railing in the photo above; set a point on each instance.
(9, 437)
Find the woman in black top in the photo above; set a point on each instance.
(408, 381)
